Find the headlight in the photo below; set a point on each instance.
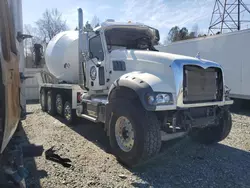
(159, 99)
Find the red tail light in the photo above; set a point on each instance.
(79, 99)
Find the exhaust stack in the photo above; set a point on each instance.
(80, 49)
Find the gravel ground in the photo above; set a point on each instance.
(180, 164)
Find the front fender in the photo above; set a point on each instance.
(142, 83)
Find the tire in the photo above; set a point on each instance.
(43, 100)
(51, 107)
(211, 135)
(59, 104)
(68, 113)
(147, 137)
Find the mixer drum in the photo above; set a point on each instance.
(61, 56)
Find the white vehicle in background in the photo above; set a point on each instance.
(231, 50)
(115, 76)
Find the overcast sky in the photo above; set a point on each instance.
(161, 14)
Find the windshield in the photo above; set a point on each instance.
(139, 38)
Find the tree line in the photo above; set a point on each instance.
(177, 34)
(50, 24)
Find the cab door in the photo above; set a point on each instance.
(95, 67)
(9, 77)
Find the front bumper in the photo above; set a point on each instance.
(183, 106)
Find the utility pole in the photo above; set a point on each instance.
(226, 16)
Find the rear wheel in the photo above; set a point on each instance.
(59, 104)
(43, 100)
(51, 103)
(210, 135)
(68, 113)
(134, 133)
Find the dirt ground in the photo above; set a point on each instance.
(181, 163)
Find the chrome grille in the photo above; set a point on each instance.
(202, 85)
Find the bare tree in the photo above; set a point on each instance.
(88, 27)
(95, 22)
(29, 43)
(51, 24)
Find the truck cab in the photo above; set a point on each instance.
(115, 76)
(111, 47)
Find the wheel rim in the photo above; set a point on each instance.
(59, 104)
(124, 134)
(49, 103)
(67, 112)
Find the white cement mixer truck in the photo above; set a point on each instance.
(115, 76)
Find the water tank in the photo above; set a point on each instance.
(61, 56)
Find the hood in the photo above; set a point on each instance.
(157, 64)
(151, 56)
(151, 61)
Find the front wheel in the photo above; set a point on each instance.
(68, 113)
(210, 135)
(134, 133)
